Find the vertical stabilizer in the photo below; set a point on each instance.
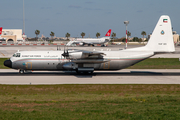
(161, 39)
(0, 31)
(108, 34)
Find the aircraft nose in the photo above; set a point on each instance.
(8, 63)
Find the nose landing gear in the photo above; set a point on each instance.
(21, 71)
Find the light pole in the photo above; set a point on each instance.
(126, 23)
(23, 22)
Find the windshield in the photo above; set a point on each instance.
(17, 55)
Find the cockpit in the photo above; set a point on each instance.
(17, 55)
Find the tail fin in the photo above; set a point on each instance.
(0, 31)
(162, 39)
(108, 34)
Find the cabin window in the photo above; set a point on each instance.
(17, 55)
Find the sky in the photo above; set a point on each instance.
(88, 16)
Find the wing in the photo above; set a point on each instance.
(92, 54)
(91, 57)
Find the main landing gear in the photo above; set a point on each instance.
(92, 45)
(84, 72)
(81, 73)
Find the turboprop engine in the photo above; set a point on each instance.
(76, 54)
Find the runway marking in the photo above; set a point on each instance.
(2, 53)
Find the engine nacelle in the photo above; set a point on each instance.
(75, 55)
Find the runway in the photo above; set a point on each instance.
(125, 76)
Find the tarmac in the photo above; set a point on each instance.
(125, 76)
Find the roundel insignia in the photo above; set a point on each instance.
(162, 32)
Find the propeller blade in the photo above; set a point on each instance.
(65, 54)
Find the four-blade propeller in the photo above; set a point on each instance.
(65, 54)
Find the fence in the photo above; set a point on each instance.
(34, 43)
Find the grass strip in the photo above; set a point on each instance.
(2, 63)
(157, 63)
(90, 102)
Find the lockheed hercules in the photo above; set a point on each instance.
(161, 41)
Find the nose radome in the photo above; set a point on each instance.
(8, 63)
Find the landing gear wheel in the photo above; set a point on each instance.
(21, 71)
(84, 72)
(91, 72)
(77, 72)
(102, 45)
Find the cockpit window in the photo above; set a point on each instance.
(17, 55)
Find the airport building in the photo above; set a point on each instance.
(12, 35)
(175, 37)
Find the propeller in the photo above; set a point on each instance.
(66, 53)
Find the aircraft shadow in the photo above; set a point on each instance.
(132, 73)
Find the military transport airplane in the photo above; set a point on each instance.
(91, 41)
(161, 41)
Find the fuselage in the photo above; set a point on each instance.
(53, 60)
(93, 40)
(89, 41)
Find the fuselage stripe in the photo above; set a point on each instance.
(58, 59)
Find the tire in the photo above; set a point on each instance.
(21, 71)
(102, 45)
